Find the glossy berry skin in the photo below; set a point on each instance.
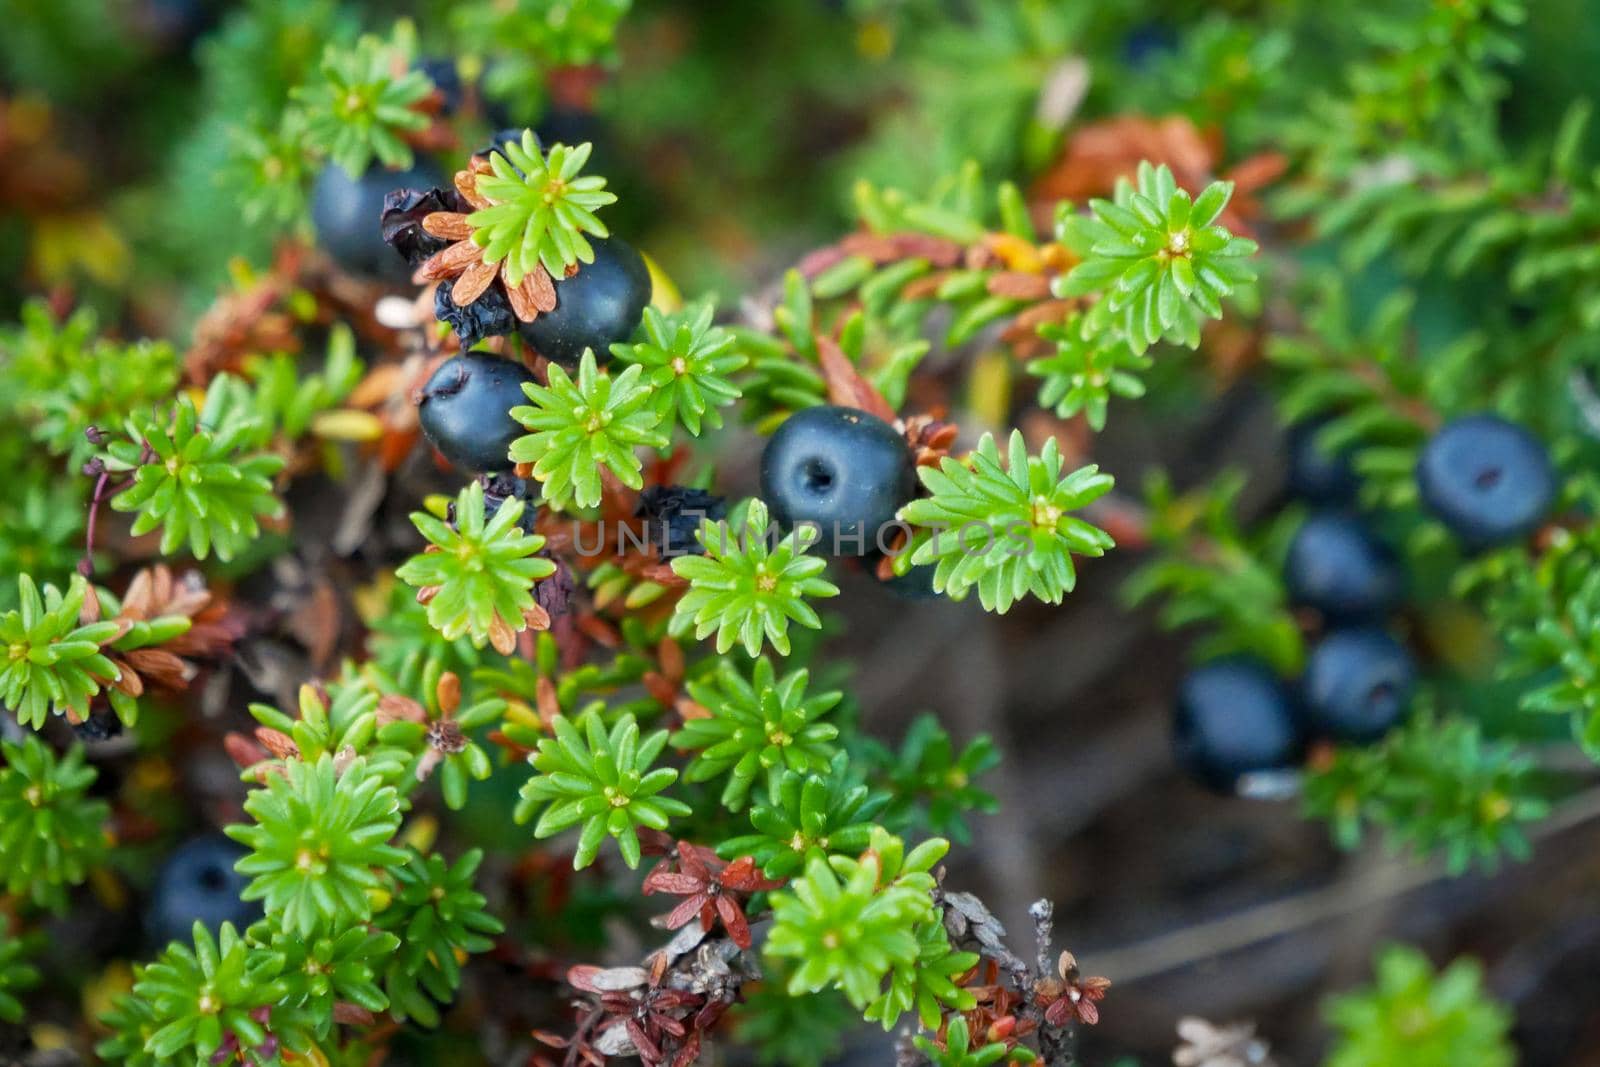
(465, 410)
(1338, 567)
(1489, 480)
(842, 469)
(198, 882)
(596, 308)
(1234, 717)
(1315, 474)
(1357, 685)
(347, 213)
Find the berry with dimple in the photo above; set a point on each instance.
(672, 514)
(198, 882)
(1315, 473)
(1234, 717)
(1487, 479)
(465, 410)
(597, 307)
(1357, 685)
(348, 212)
(844, 470)
(1338, 567)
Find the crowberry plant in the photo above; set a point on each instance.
(525, 447)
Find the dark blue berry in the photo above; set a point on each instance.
(348, 213)
(672, 514)
(596, 308)
(1338, 567)
(98, 726)
(198, 882)
(842, 469)
(1489, 480)
(1357, 685)
(1316, 474)
(465, 410)
(446, 78)
(1146, 43)
(1232, 718)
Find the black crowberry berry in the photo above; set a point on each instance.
(1338, 567)
(347, 212)
(1489, 480)
(465, 410)
(1232, 718)
(446, 78)
(672, 514)
(1357, 685)
(595, 308)
(198, 882)
(1315, 474)
(98, 726)
(844, 470)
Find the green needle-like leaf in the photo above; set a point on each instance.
(477, 579)
(542, 206)
(687, 364)
(319, 835)
(579, 427)
(361, 108)
(52, 833)
(602, 780)
(49, 663)
(748, 593)
(1158, 257)
(1006, 529)
(197, 477)
(756, 727)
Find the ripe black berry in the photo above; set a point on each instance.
(347, 213)
(1357, 685)
(1338, 567)
(1315, 474)
(1234, 717)
(198, 882)
(842, 469)
(465, 410)
(446, 78)
(672, 514)
(1489, 480)
(98, 726)
(596, 307)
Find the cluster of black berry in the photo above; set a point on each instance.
(1237, 723)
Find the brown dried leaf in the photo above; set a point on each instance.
(450, 225)
(846, 386)
(473, 281)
